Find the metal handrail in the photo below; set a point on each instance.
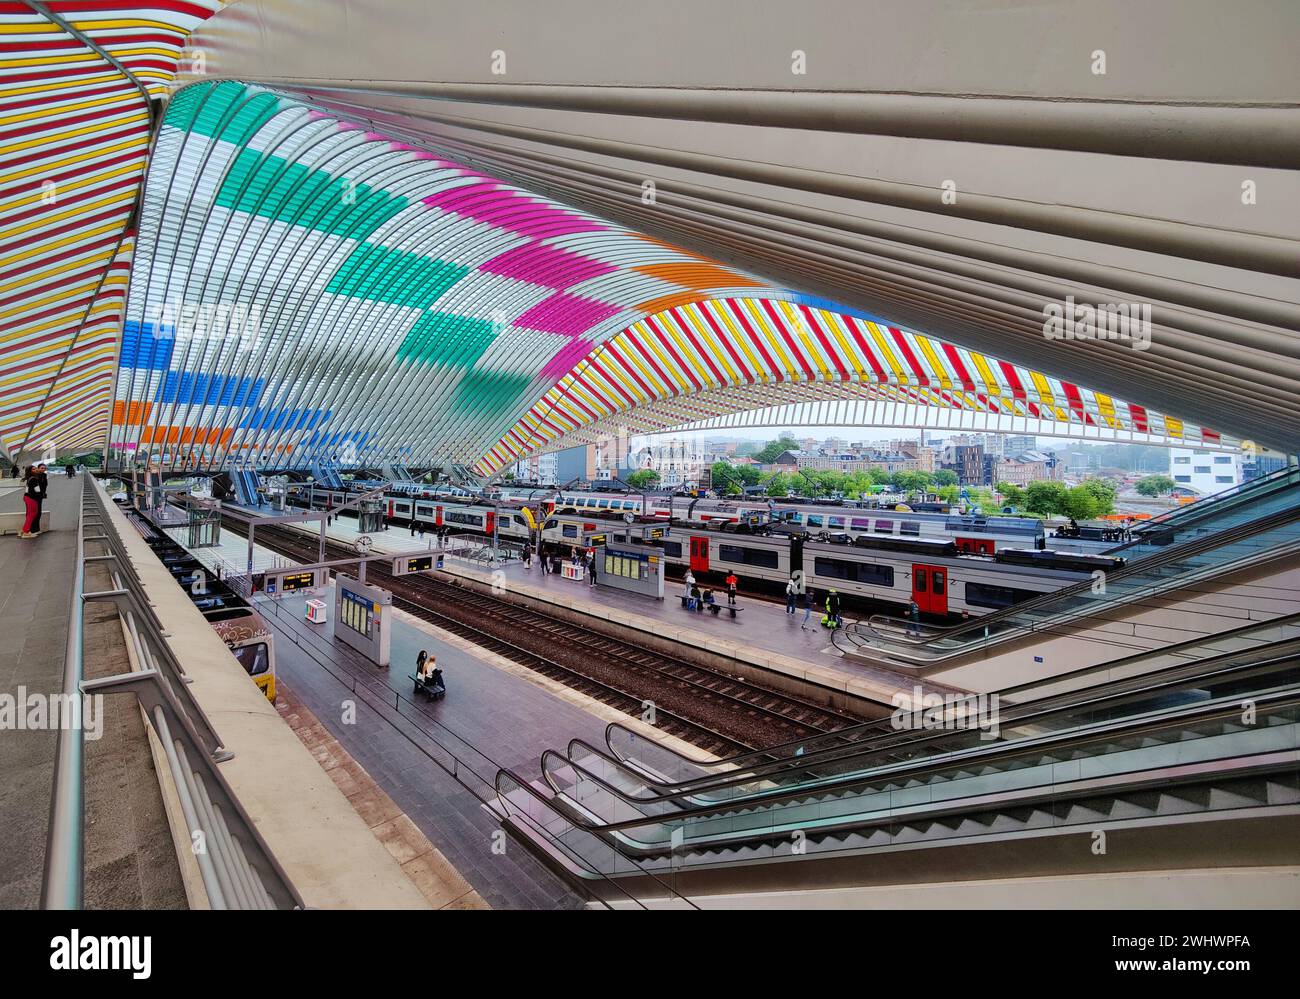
(64, 875)
(235, 863)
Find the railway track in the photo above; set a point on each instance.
(714, 710)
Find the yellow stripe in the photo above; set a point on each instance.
(36, 278)
(834, 323)
(882, 345)
(776, 346)
(46, 168)
(60, 138)
(58, 110)
(687, 351)
(72, 186)
(1107, 409)
(796, 323)
(659, 387)
(70, 59)
(991, 384)
(707, 336)
(937, 368)
(83, 209)
(742, 338)
(681, 383)
(69, 84)
(45, 248)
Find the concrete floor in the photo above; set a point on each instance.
(35, 599)
(506, 718)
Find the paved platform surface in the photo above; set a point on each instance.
(762, 633)
(35, 601)
(506, 718)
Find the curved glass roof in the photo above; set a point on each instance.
(307, 288)
(74, 138)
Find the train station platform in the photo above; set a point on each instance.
(36, 578)
(762, 634)
(437, 761)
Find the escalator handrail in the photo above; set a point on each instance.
(1212, 504)
(913, 770)
(1191, 547)
(1046, 681)
(1040, 712)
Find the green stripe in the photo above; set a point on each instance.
(228, 111)
(274, 188)
(386, 275)
(441, 338)
(491, 391)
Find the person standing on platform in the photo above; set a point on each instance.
(591, 570)
(31, 505)
(914, 614)
(40, 500)
(791, 596)
(690, 582)
(732, 583)
(833, 609)
(412, 528)
(809, 599)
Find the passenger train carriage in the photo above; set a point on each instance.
(444, 506)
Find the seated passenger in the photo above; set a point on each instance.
(435, 678)
(694, 602)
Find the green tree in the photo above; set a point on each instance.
(1012, 495)
(1080, 503)
(774, 449)
(1155, 485)
(780, 484)
(1103, 492)
(945, 477)
(1046, 498)
(643, 478)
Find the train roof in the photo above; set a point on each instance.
(243, 628)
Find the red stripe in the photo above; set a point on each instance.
(755, 339)
(663, 338)
(690, 335)
(629, 369)
(1013, 381)
(921, 377)
(725, 340)
(820, 334)
(649, 357)
(785, 335)
(865, 346)
(1139, 417)
(954, 358)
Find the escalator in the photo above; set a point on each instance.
(1254, 537)
(1177, 742)
(618, 788)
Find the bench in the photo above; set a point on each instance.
(431, 691)
(714, 608)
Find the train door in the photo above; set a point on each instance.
(699, 554)
(437, 515)
(391, 504)
(930, 588)
(491, 523)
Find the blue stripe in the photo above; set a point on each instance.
(210, 390)
(147, 346)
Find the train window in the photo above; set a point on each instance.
(603, 505)
(860, 524)
(253, 658)
(921, 581)
(984, 595)
(836, 522)
(814, 520)
(673, 549)
(861, 572)
(747, 556)
(884, 527)
(570, 530)
(910, 528)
